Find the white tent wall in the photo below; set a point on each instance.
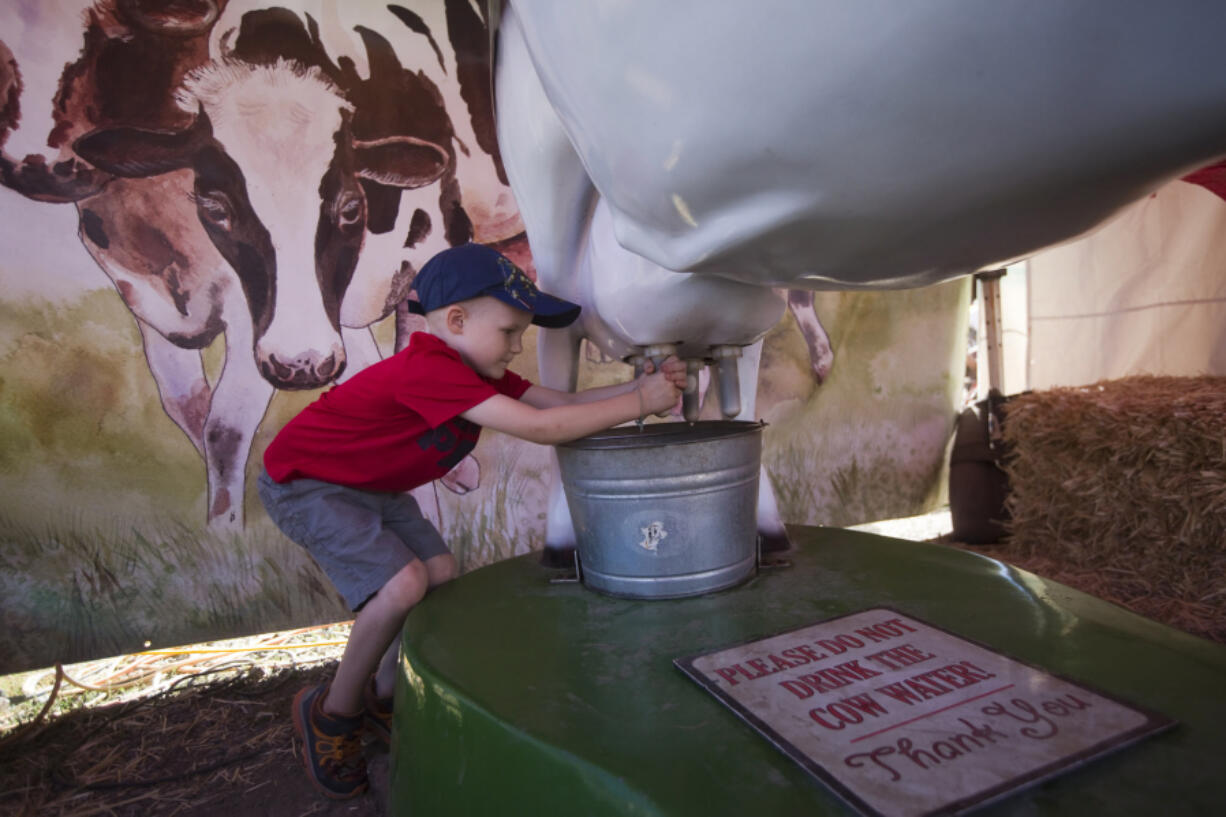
(1145, 294)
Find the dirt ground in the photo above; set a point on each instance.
(224, 745)
(225, 748)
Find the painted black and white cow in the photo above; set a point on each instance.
(282, 155)
(274, 185)
(234, 175)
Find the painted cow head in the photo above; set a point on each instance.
(277, 186)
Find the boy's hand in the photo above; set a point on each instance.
(672, 368)
(661, 389)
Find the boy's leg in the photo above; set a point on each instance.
(329, 718)
(439, 569)
(331, 726)
(378, 690)
(381, 578)
(374, 632)
(358, 538)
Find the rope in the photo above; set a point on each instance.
(247, 649)
(30, 729)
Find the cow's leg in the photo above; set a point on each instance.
(559, 527)
(558, 354)
(240, 399)
(464, 478)
(178, 286)
(181, 383)
(551, 185)
(770, 524)
(427, 499)
(406, 324)
(554, 195)
(361, 350)
(821, 355)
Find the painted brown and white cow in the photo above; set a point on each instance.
(233, 175)
(274, 186)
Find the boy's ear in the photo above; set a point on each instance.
(454, 319)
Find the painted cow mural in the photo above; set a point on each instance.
(236, 172)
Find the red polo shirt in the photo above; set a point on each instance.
(393, 426)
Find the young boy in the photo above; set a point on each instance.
(336, 475)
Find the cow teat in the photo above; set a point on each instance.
(723, 358)
(726, 358)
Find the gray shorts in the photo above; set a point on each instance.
(361, 539)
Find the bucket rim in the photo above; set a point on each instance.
(624, 438)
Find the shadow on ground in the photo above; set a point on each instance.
(212, 748)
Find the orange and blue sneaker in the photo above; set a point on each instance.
(378, 714)
(331, 745)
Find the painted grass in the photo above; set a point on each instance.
(871, 442)
(102, 539)
(81, 586)
(505, 517)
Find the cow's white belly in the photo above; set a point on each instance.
(630, 303)
(826, 144)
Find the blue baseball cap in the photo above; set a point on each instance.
(472, 270)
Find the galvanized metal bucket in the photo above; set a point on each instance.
(666, 511)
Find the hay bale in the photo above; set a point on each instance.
(1125, 475)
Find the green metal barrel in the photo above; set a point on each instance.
(520, 696)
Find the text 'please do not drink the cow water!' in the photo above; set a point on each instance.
(916, 688)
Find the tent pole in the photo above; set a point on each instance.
(994, 337)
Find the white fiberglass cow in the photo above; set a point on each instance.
(633, 308)
(877, 144)
(826, 145)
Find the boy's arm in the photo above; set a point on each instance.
(543, 397)
(556, 424)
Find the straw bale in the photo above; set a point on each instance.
(1125, 474)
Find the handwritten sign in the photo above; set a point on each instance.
(901, 718)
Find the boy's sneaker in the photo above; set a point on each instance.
(331, 745)
(378, 714)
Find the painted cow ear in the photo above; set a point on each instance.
(400, 161)
(135, 153)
